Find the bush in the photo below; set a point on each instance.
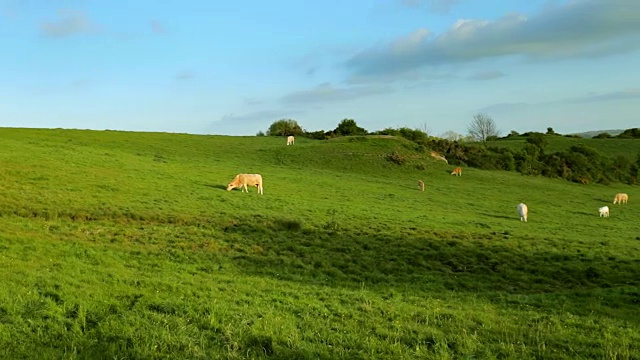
(603, 135)
(396, 158)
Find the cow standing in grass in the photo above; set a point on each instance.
(243, 180)
(290, 140)
(604, 211)
(421, 185)
(523, 211)
(621, 198)
(457, 171)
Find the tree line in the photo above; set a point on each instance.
(580, 163)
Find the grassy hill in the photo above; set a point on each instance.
(127, 245)
(629, 148)
(590, 134)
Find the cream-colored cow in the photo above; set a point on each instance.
(421, 185)
(290, 140)
(437, 156)
(621, 198)
(242, 180)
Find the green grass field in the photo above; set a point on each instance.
(629, 148)
(121, 245)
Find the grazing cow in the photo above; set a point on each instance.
(621, 198)
(438, 157)
(242, 180)
(457, 171)
(290, 140)
(604, 211)
(421, 185)
(522, 211)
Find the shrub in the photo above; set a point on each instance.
(396, 158)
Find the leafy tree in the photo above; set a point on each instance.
(483, 127)
(348, 127)
(537, 139)
(260, 133)
(285, 127)
(550, 131)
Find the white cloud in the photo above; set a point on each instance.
(585, 28)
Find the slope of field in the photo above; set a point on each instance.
(127, 245)
(629, 148)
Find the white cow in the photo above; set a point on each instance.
(604, 211)
(242, 180)
(290, 140)
(522, 211)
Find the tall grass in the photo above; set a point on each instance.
(126, 245)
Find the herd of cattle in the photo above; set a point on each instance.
(242, 181)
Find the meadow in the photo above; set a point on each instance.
(629, 148)
(124, 245)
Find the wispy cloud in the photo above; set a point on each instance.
(633, 93)
(262, 116)
(486, 75)
(252, 101)
(626, 94)
(579, 28)
(435, 6)
(81, 84)
(70, 22)
(185, 75)
(328, 93)
(157, 27)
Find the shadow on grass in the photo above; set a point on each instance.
(515, 217)
(438, 262)
(219, 187)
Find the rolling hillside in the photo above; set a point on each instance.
(629, 148)
(127, 245)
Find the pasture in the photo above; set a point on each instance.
(629, 148)
(123, 245)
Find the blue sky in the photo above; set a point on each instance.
(213, 67)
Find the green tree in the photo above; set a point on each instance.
(537, 139)
(348, 127)
(483, 127)
(285, 127)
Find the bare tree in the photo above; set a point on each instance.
(451, 136)
(483, 127)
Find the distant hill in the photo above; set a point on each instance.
(590, 134)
